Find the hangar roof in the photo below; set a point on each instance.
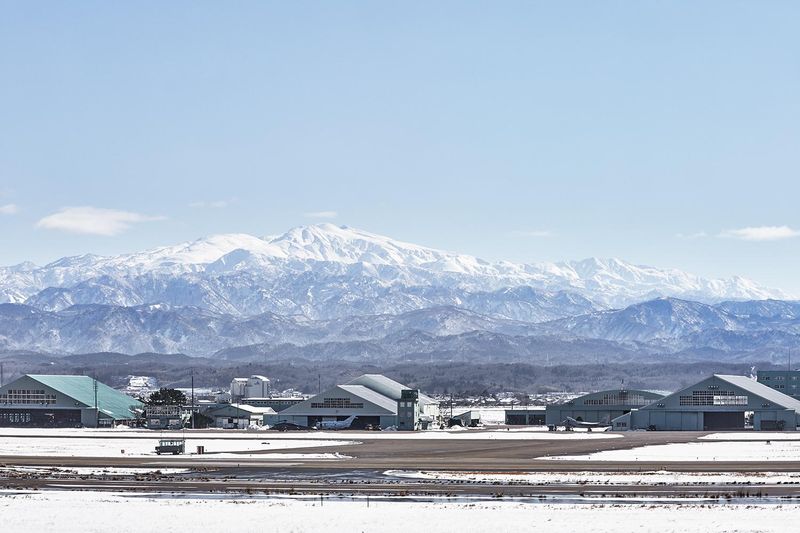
(624, 397)
(371, 396)
(751, 386)
(81, 388)
(385, 386)
(759, 389)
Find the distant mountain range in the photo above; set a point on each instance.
(337, 292)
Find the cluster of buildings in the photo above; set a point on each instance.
(375, 400)
(69, 401)
(719, 402)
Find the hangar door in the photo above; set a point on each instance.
(723, 420)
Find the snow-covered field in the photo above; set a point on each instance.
(87, 471)
(661, 477)
(66, 512)
(754, 435)
(99, 447)
(698, 451)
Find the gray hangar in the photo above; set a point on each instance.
(719, 402)
(601, 407)
(375, 399)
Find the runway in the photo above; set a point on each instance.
(363, 469)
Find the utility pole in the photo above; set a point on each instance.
(192, 408)
(319, 383)
(2, 375)
(96, 408)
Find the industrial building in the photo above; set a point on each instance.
(374, 399)
(719, 402)
(253, 387)
(601, 407)
(64, 401)
(166, 416)
(785, 381)
(238, 416)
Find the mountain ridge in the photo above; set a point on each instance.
(224, 272)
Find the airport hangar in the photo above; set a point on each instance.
(373, 398)
(64, 401)
(720, 402)
(600, 407)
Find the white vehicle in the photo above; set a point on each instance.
(336, 424)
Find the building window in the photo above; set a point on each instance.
(336, 403)
(617, 398)
(715, 397)
(27, 396)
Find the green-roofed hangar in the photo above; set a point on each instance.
(63, 401)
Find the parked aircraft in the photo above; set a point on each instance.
(570, 423)
(336, 424)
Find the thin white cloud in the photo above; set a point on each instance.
(697, 235)
(215, 204)
(9, 209)
(93, 220)
(537, 233)
(321, 214)
(761, 233)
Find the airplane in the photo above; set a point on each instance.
(570, 423)
(336, 424)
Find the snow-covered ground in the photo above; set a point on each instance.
(99, 447)
(87, 471)
(697, 451)
(522, 433)
(754, 435)
(661, 477)
(66, 512)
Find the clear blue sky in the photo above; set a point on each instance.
(657, 132)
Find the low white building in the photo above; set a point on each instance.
(238, 416)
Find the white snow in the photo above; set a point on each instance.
(89, 470)
(697, 451)
(120, 446)
(64, 511)
(661, 477)
(754, 435)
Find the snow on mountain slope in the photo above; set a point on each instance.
(194, 331)
(663, 318)
(328, 271)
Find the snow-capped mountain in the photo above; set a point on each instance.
(326, 271)
(330, 291)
